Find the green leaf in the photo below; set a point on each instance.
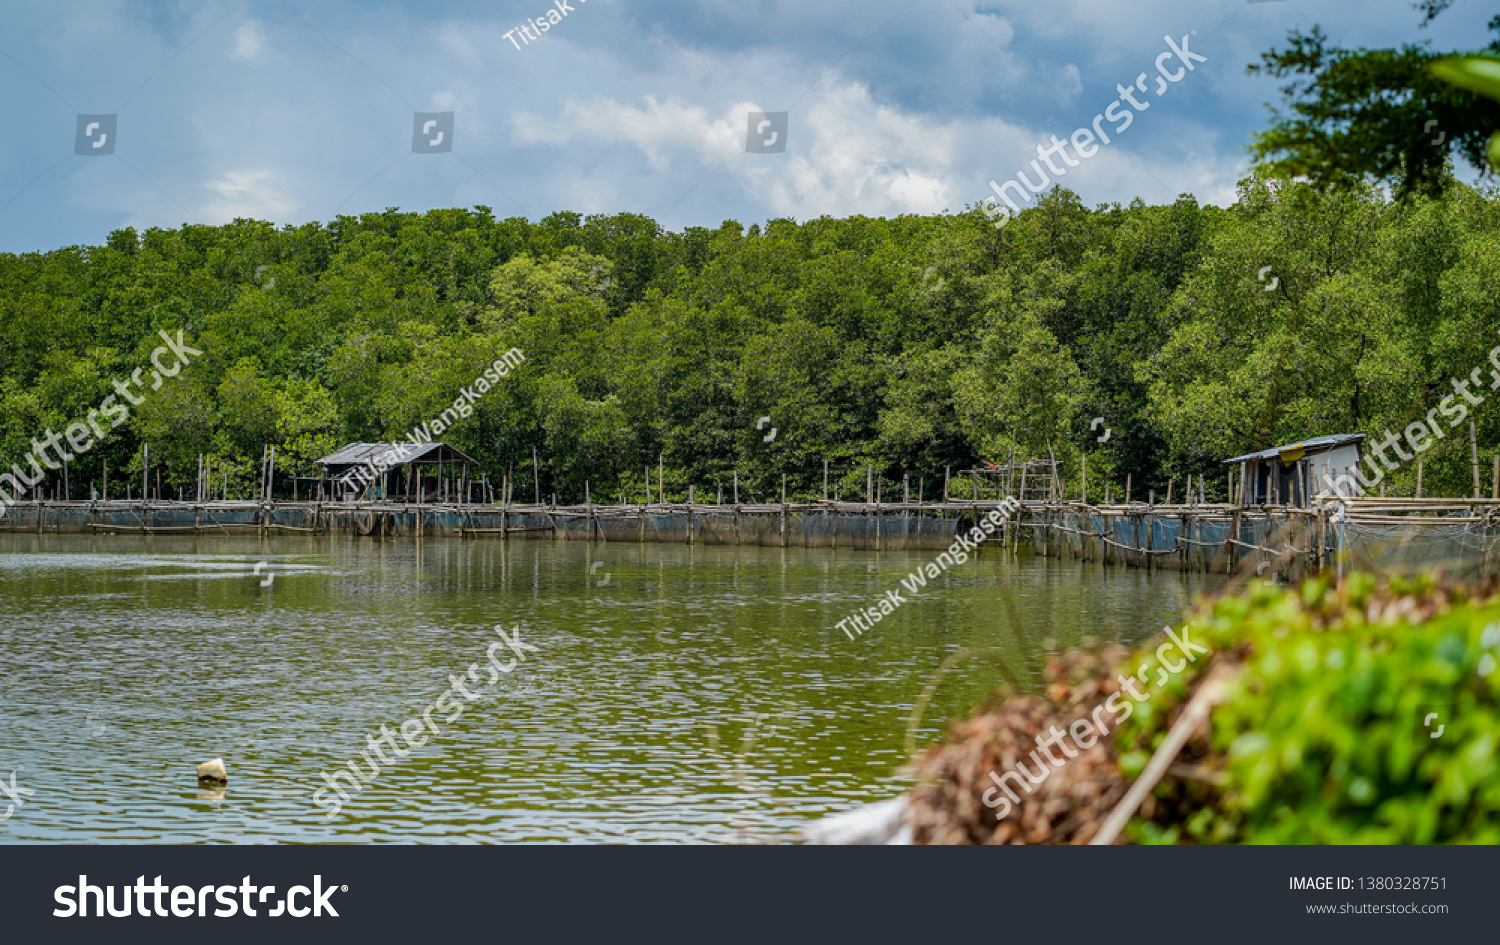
(1476, 73)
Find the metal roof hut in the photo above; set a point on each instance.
(1289, 475)
(393, 471)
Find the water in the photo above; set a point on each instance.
(677, 693)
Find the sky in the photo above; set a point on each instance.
(300, 111)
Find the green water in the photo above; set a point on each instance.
(126, 661)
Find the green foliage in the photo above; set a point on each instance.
(911, 345)
(1381, 113)
(1322, 737)
(1477, 74)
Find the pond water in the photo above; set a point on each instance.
(676, 693)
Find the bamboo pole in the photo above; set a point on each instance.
(1474, 453)
(1209, 694)
(1494, 479)
(1419, 478)
(1127, 488)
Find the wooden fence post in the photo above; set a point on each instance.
(1474, 453)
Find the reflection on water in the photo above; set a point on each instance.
(678, 693)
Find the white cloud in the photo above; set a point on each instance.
(248, 40)
(247, 194)
(657, 129)
(455, 39)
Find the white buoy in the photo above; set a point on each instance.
(213, 771)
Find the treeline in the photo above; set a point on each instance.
(912, 344)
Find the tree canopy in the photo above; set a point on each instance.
(912, 344)
(1381, 114)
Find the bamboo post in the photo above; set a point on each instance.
(825, 480)
(869, 484)
(1494, 479)
(1127, 488)
(1170, 482)
(661, 481)
(1083, 482)
(974, 477)
(536, 477)
(736, 490)
(781, 525)
(1474, 453)
(905, 488)
(1419, 478)
(948, 474)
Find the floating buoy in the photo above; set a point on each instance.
(213, 771)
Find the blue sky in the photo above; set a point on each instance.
(297, 111)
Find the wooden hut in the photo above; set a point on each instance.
(420, 472)
(1291, 474)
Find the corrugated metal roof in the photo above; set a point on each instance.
(356, 453)
(1317, 444)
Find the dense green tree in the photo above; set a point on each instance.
(905, 346)
(1379, 113)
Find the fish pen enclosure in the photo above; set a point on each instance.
(1459, 535)
(1400, 535)
(828, 524)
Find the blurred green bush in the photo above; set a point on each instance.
(1330, 731)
